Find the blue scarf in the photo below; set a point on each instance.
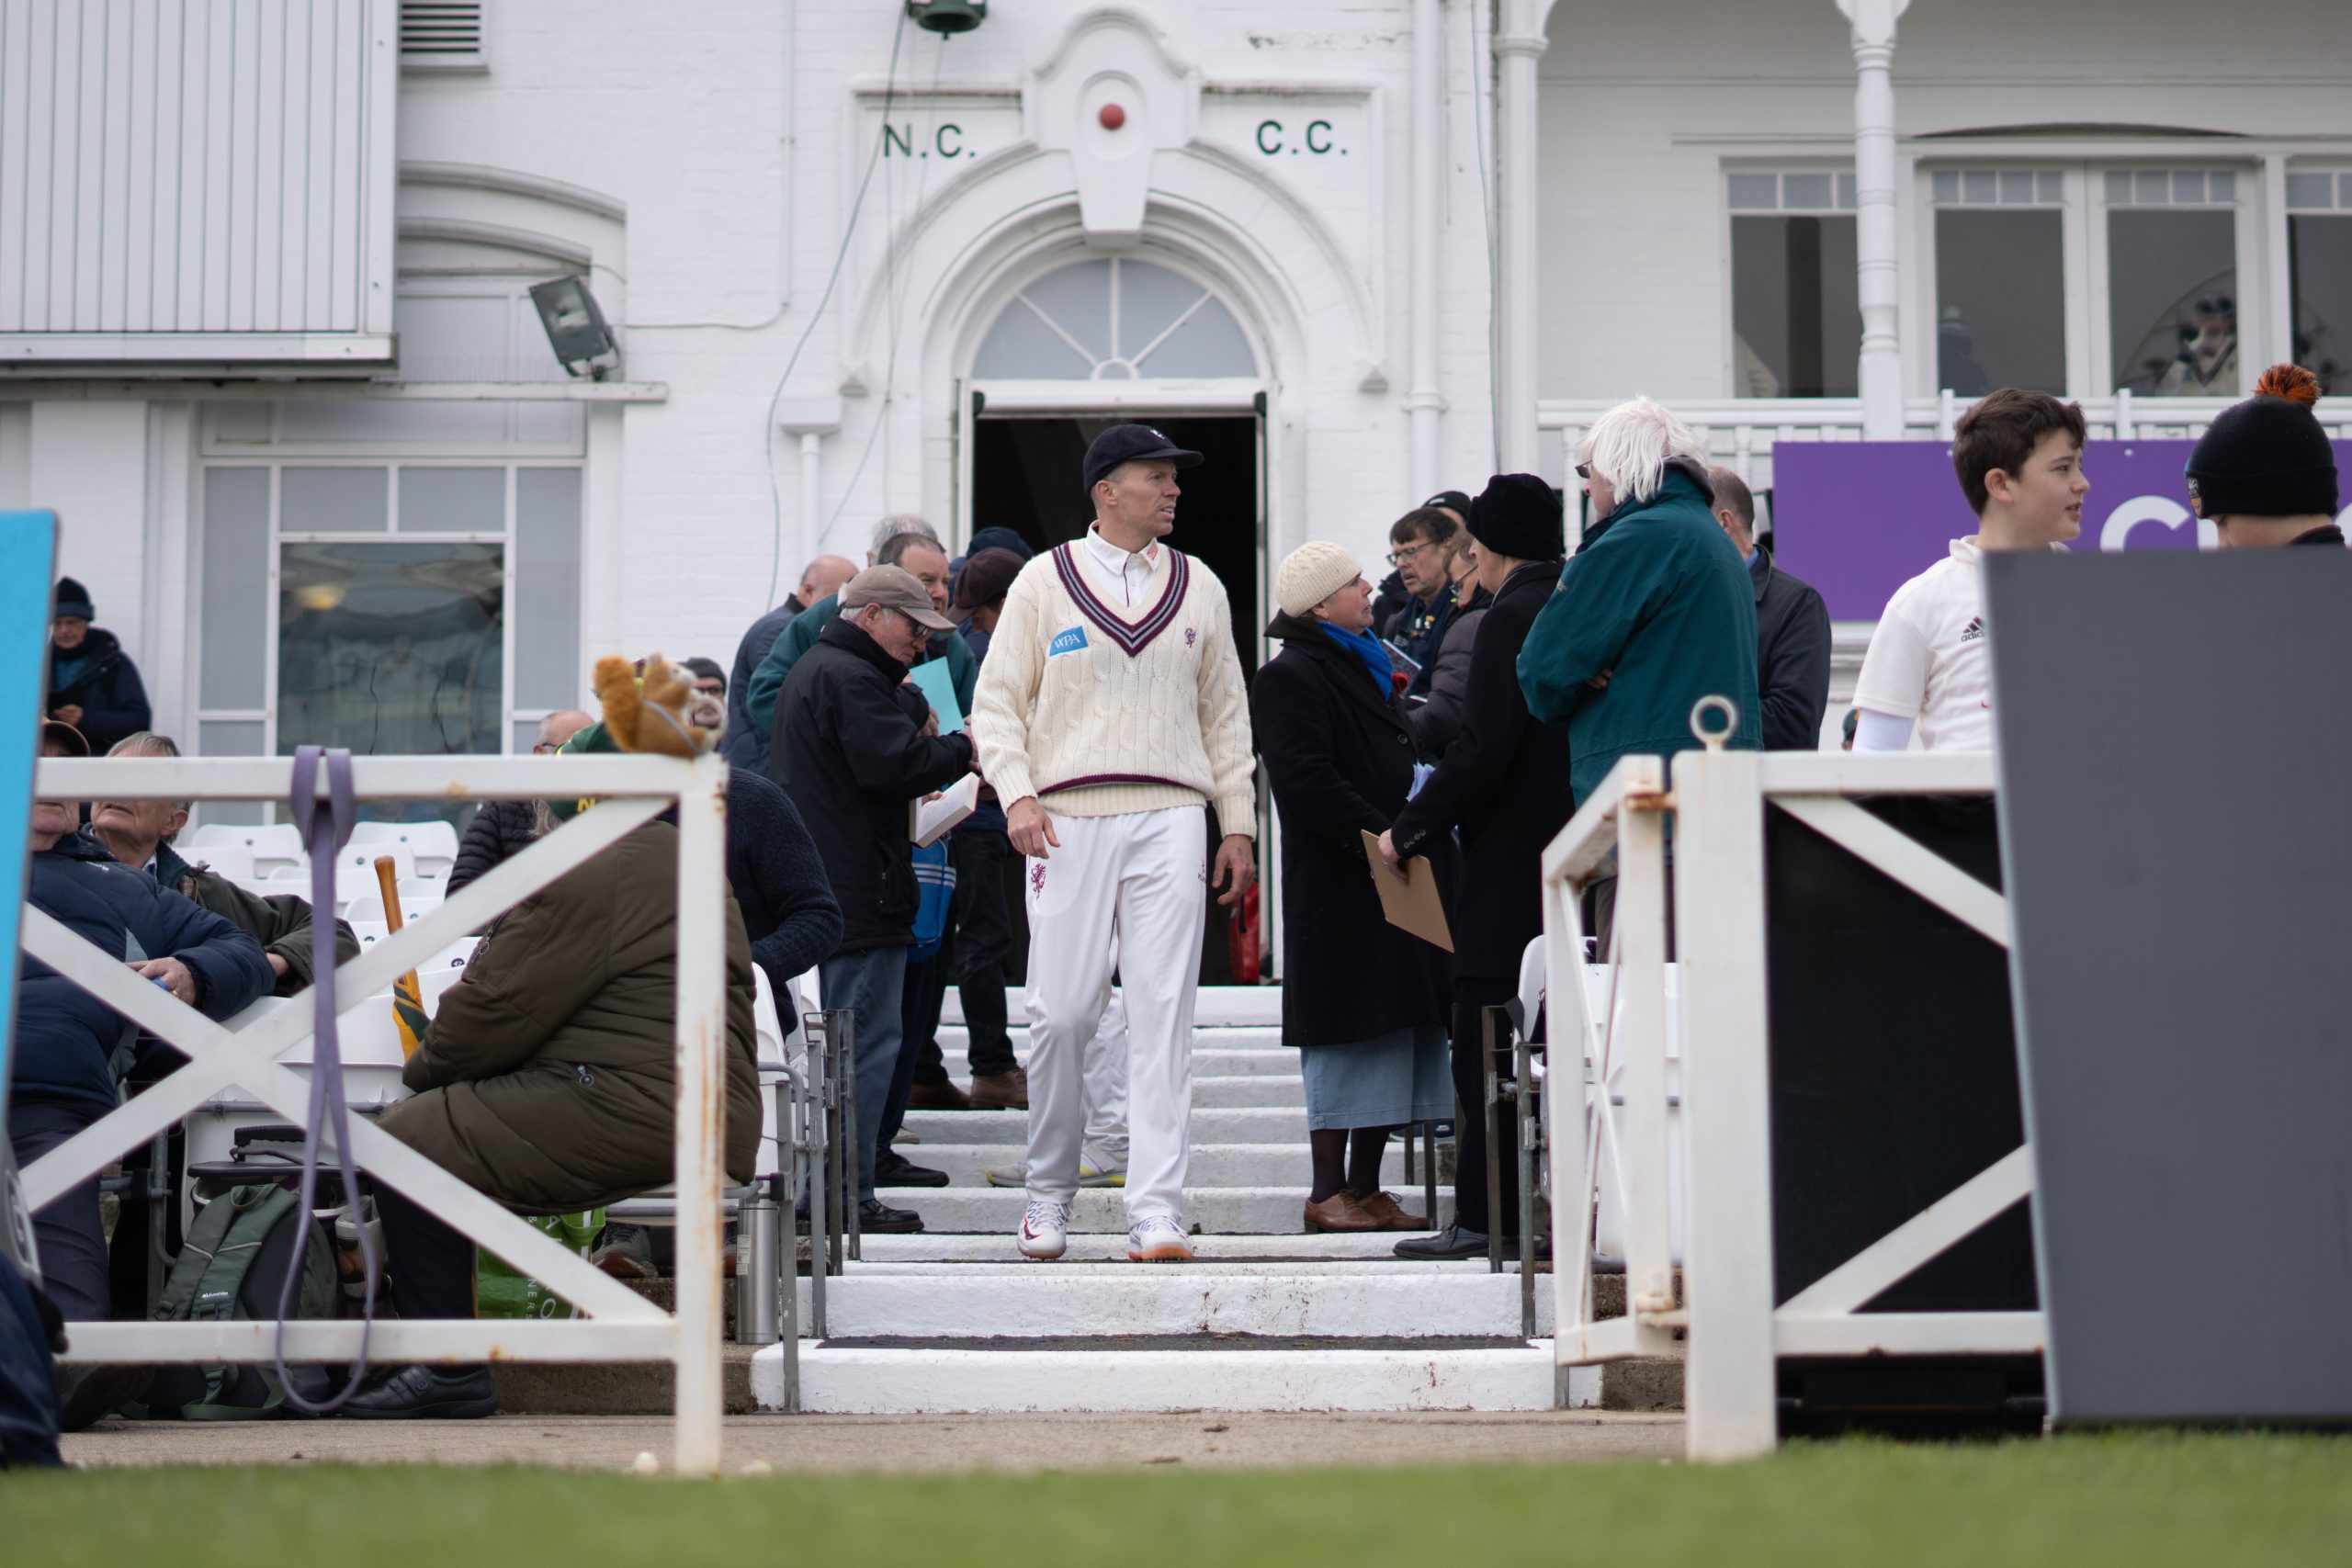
(1366, 646)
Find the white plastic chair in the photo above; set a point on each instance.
(365, 854)
(233, 861)
(277, 845)
(432, 846)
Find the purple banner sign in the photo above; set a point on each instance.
(1857, 519)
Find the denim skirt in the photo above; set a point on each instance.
(1402, 1076)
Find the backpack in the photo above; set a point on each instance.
(232, 1266)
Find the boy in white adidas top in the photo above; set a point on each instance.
(2019, 459)
(1110, 709)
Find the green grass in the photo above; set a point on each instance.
(2081, 1501)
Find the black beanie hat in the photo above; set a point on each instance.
(2266, 456)
(73, 600)
(1519, 515)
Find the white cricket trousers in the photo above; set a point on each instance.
(1130, 893)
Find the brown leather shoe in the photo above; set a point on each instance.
(1001, 1091)
(1388, 1214)
(941, 1096)
(1338, 1214)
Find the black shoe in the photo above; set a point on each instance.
(892, 1169)
(426, 1394)
(86, 1396)
(1450, 1243)
(876, 1218)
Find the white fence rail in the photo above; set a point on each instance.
(620, 1324)
(1730, 1331)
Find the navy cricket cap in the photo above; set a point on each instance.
(1131, 444)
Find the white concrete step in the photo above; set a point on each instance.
(1046, 1302)
(1208, 1061)
(1213, 1165)
(1217, 1211)
(1109, 1266)
(1098, 1249)
(863, 1380)
(1218, 1092)
(1241, 1124)
(1217, 1006)
(954, 1038)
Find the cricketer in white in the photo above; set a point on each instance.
(1112, 689)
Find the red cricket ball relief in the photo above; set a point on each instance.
(1112, 116)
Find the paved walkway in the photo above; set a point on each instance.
(908, 1443)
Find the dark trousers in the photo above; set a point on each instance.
(1472, 996)
(431, 1265)
(70, 1233)
(919, 999)
(979, 934)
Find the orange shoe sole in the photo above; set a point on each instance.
(1174, 1252)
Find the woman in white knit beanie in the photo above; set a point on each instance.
(1366, 1003)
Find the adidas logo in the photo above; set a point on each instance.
(1975, 629)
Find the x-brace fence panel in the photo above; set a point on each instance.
(620, 1324)
(1734, 1332)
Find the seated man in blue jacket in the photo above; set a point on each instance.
(61, 1071)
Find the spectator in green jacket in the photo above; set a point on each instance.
(914, 545)
(1654, 611)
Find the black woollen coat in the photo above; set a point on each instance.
(1341, 759)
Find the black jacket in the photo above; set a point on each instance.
(849, 749)
(66, 1038)
(778, 880)
(1792, 656)
(500, 829)
(1504, 783)
(1339, 757)
(98, 677)
(1437, 721)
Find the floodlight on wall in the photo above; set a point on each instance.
(575, 327)
(948, 15)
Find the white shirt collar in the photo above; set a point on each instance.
(1115, 559)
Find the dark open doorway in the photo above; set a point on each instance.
(1026, 476)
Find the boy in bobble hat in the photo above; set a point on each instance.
(2264, 474)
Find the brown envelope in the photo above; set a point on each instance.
(1412, 904)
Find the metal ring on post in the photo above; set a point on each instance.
(1713, 740)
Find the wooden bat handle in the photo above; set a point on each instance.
(387, 878)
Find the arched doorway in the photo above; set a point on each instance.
(1099, 342)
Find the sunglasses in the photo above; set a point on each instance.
(1584, 470)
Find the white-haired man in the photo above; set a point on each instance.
(1112, 689)
(1654, 611)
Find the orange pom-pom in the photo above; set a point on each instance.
(2291, 382)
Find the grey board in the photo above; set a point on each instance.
(2176, 762)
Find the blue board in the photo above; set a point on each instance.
(27, 568)
(938, 686)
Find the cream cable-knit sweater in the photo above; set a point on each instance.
(1100, 709)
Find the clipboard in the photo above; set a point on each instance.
(1412, 904)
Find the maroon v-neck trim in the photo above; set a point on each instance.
(1132, 638)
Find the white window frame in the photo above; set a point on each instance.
(1921, 347)
(2338, 172)
(1843, 203)
(2253, 297)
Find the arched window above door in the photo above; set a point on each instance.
(1114, 320)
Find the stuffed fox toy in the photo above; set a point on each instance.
(658, 711)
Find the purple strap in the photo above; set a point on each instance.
(325, 827)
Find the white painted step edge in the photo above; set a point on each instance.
(872, 1381)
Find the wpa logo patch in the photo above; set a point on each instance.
(1069, 641)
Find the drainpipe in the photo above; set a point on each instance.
(1518, 44)
(1880, 372)
(811, 417)
(1423, 402)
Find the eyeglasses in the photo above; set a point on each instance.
(1584, 470)
(1399, 557)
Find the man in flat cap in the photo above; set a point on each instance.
(852, 747)
(1112, 691)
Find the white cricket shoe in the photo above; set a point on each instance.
(1158, 1240)
(1045, 1229)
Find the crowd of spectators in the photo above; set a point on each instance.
(1457, 712)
